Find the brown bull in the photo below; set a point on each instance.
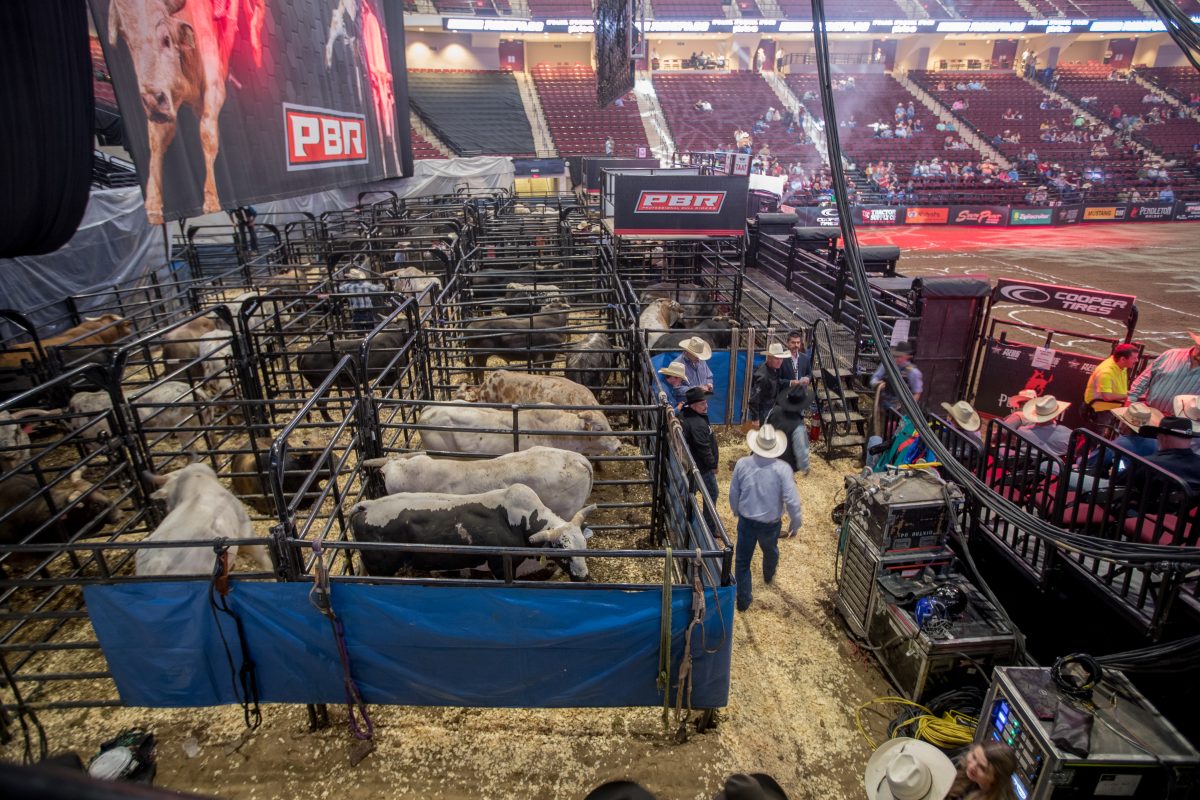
(180, 51)
(104, 329)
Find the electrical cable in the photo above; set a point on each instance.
(1180, 27)
(1072, 685)
(1156, 557)
(951, 729)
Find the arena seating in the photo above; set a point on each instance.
(688, 9)
(987, 9)
(422, 149)
(738, 99)
(560, 9)
(1180, 82)
(101, 82)
(568, 95)
(473, 112)
(1174, 138)
(749, 9)
(866, 9)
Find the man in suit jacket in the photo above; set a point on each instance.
(796, 369)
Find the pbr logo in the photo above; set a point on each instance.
(680, 202)
(981, 217)
(318, 137)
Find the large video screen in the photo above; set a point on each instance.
(614, 33)
(231, 102)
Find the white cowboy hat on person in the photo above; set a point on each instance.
(1188, 406)
(1135, 415)
(1043, 409)
(908, 769)
(1021, 398)
(776, 350)
(697, 347)
(767, 442)
(964, 415)
(675, 369)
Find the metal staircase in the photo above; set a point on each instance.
(842, 423)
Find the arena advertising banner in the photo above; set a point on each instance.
(926, 215)
(879, 215)
(232, 102)
(1151, 212)
(1091, 302)
(1008, 368)
(984, 216)
(1031, 216)
(1187, 210)
(1112, 213)
(1067, 215)
(661, 204)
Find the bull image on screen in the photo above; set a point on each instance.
(229, 102)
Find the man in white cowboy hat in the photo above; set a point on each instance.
(1173, 373)
(902, 354)
(1042, 414)
(1175, 453)
(1131, 419)
(696, 353)
(1016, 419)
(962, 415)
(1188, 405)
(676, 377)
(767, 381)
(908, 769)
(762, 485)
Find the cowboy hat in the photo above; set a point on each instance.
(1021, 398)
(908, 769)
(696, 394)
(356, 274)
(1171, 426)
(797, 399)
(619, 790)
(1187, 405)
(675, 369)
(1043, 409)
(963, 415)
(697, 347)
(755, 786)
(1135, 415)
(776, 350)
(767, 442)
(903, 349)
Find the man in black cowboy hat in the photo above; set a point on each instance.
(1175, 454)
(697, 433)
(902, 353)
(788, 419)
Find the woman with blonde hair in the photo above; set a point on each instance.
(985, 773)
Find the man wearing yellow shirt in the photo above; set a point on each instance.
(1108, 387)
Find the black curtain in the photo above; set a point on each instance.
(46, 116)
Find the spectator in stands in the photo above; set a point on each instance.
(1175, 453)
(676, 377)
(1175, 372)
(910, 111)
(609, 146)
(1108, 386)
(1115, 114)
(1043, 413)
(963, 416)
(1099, 150)
(767, 383)
(698, 435)
(1166, 195)
(1015, 418)
(941, 86)
(762, 486)
(764, 151)
(696, 353)
(958, 105)
(902, 354)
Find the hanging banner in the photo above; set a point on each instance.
(232, 102)
(1009, 368)
(1091, 302)
(983, 216)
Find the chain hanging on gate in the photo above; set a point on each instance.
(321, 600)
(245, 678)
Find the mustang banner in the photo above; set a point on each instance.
(231, 102)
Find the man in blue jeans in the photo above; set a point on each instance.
(762, 485)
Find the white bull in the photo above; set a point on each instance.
(561, 478)
(468, 425)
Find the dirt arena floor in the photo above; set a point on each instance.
(797, 678)
(1159, 263)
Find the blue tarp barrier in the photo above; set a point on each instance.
(409, 645)
(719, 364)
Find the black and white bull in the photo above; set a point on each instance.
(509, 517)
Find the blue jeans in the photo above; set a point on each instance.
(709, 479)
(751, 533)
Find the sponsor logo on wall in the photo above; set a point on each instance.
(1103, 213)
(979, 216)
(1187, 210)
(879, 216)
(926, 216)
(1031, 216)
(1064, 298)
(1152, 212)
(1067, 215)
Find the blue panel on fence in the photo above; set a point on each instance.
(719, 364)
(408, 645)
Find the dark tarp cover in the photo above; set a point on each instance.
(719, 364)
(487, 646)
(956, 286)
